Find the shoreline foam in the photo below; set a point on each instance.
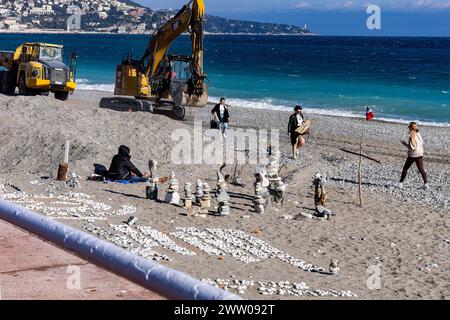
(264, 105)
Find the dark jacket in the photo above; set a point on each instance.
(121, 166)
(226, 114)
(293, 123)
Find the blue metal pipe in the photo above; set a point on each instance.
(160, 279)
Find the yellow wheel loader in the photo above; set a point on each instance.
(169, 79)
(37, 68)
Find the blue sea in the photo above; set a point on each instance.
(401, 79)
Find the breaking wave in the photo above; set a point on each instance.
(271, 104)
(84, 85)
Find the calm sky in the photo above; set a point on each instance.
(334, 17)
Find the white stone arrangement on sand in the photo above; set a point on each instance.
(129, 239)
(282, 288)
(69, 206)
(211, 241)
(239, 245)
(164, 241)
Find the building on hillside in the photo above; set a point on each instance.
(42, 11)
(103, 15)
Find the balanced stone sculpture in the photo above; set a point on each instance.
(277, 190)
(152, 164)
(258, 202)
(151, 189)
(172, 196)
(261, 184)
(321, 197)
(272, 167)
(206, 195)
(223, 197)
(198, 191)
(188, 196)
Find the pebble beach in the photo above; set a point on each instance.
(399, 236)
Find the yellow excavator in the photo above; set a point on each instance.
(168, 79)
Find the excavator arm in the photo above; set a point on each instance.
(150, 78)
(169, 32)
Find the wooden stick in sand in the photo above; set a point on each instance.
(64, 167)
(360, 170)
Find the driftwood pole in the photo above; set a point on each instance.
(64, 166)
(360, 173)
(360, 165)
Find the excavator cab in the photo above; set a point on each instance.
(183, 88)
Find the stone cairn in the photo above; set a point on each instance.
(261, 187)
(321, 197)
(188, 196)
(205, 202)
(334, 267)
(172, 196)
(258, 200)
(152, 187)
(276, 184)
(198, 191)
(73, 181)
(223, 198)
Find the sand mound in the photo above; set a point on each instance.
(33, 131)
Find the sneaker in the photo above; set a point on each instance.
(400, 185)
(224, 135)
(426, 186)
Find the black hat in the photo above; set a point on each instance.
(298, 107)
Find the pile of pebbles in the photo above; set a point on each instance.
(164, 241)
(196, 242)
(384, 178)
(128, 239)
(241, 246)
(69, 206)
(223, 246)
(281, 288)
(240, 286)
(286, 288)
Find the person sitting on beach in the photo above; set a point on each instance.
(123, 169)
(297, 139)
(415, 154)
(222, 116)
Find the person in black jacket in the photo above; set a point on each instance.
(297, 140)
(123, 169)
(222, 116)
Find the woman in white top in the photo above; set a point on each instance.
(415, 154)
(222, 116)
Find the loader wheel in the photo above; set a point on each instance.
(63, 96)
(7, 83)
(23, 89)
(178, 112)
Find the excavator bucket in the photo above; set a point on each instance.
(182, 97)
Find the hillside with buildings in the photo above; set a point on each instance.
(115, 17)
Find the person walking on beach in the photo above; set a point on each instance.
(415, 154)
(222, 116)
(297, 139)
